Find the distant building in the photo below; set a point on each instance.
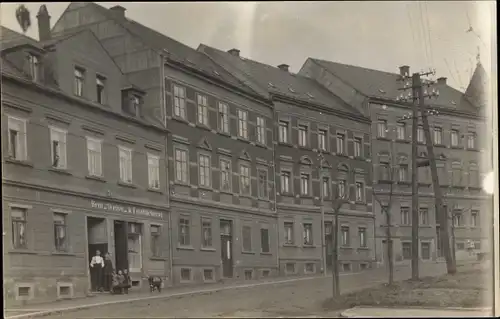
(458, 145)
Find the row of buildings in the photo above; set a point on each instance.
(202, 165)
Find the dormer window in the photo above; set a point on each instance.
(34, 64)
(100, 89)
(79, 81)
(135, 105)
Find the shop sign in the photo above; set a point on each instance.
(126, 209)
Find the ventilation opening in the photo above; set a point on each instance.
(208, 274)
(185, 274)
(265, 273)
(64, 291)
(290, 268)
(346, 267)
(248, 274)
(363, 266)
(135, 283)
(310, 268)
(23, 291)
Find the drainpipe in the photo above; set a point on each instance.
(275, 196)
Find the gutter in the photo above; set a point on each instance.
(275, 198)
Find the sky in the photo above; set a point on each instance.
(372, 34)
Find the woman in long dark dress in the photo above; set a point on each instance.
(96, 266)
(108, 272)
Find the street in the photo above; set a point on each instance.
(298, 298)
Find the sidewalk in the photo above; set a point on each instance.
(371, 312)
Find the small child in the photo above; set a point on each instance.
(127, 281)
(114, 283)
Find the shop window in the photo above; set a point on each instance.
(60, 234)
(155, 240)
(134, 247)
(19, 223)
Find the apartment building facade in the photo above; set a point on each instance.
(455, 132)
(83, 168)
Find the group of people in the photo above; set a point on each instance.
(105, 278)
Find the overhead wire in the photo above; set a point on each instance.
(424, 38)
(429, 33)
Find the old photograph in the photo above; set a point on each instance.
(249, 159)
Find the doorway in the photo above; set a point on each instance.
(329, 244)
(120, 229)
(226, 240)
(97, 236)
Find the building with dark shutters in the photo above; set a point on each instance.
(83, 167)
(322, 145)
(456, 134)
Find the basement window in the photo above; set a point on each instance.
(64, 290)
(265, 273)
(208, 274)
(185, 274)
(346, 267)
(290, 268)
(310, 268)
(24, 291)
(248, 274)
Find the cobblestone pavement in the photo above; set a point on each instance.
(299, 298)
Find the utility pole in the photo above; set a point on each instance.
(337, 201)
(414, 177)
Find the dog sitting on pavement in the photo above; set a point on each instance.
(155, 283)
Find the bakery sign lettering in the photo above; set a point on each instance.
(125, 209)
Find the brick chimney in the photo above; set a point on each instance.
(283, 67)
(441, 80)
(43, 18)
(404, 70)
(118, 11)
(234, 52)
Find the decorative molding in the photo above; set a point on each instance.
(203, 144)
(180, 139)
(125, 139)
(245, 156)
(92, 129)
(58, 118)
(153, 147)
(223, 151)
(17, 106)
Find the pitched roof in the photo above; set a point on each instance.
(262, 77)
(176, 50)
(10, 39)
(476, 90)
(385, 85)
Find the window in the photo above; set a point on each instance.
(424, 216)
(223, 117)
(135, 102)
(342, 188)
(406, 247)
(438, 136)
(384, 172)
(184, 232)
(344, 232)
(58, 147)
(79, 81)
(283, 131)
(290, 268)
(154, 171)
(325, 186)
(264, 240)
(471, 141)
(454, 138)
(243, 124)
(94, 156)
(262, 183)
(456, 174)
(202, 110)
(245, 180)
(134, 247)
(261, 130)
(360, 192)
(125, 164)
(34, 65)
(420, 134)
(322, 139)
(457, 219)
(206, 229)
(204, 169)
(382, 128)
(460, 246)
(208, 274)
(473, 175)
(155, 240)
(18, 216)
(289, 233)
(185, 274)
(442, 174)
(358, 147)
(401, 131)
(100, 89)
(225, 175)
(474, 218)
(180, 102)
(340, 143)
(17, 139)
(362, 237)
(308, 234)
(425, 250)
(405, 216)
(247, 238)
(303, 130)
(309, 268)
(285, 181)
(60, 239)
(403, 173)
(304, 184)
(181, 166)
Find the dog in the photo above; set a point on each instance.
(155, 283)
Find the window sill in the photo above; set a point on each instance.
(473, 149)
(285, 144)
(95, 178)
(180, 119)
(407, 183)
(63, 253)
(458, 187)
(243, 139)
(475, 187)
(185, 248)
(359, 158)
(360, 203)
(180, 183)
(124, 184)
(226, 191)
(363, 248)
(18, 162)
(203, 126)
(262, 145)
(304, 196)
(248, 252)
(424, 184)
(456, 147)
(384, 181)
(346, 247)
(211, 249)
(342, 155)
(287, 194)
(22, 251)
(290, 245)
(303, 147)
(155, 190)
(263, 199)
(158, 258)
(309, 246)
(381, 138)
(227, 134)
(245, 196)
(266, 253)
(403, 141)
(205, 188)
(60, 171)
(440, 145)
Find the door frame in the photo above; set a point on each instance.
(231, 241)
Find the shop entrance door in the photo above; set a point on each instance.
(226, 240)
(121, 244)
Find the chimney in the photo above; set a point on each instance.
(118, 11)
(234, 52)
(404, 70)
(441, 80)
(43, 18)
(283, 67)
